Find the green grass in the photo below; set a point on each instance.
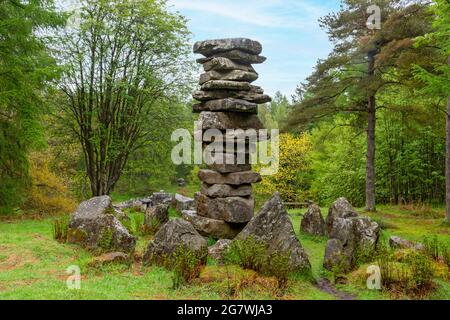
(33, 266)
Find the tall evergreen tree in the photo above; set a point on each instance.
(360, 66)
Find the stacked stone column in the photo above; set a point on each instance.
(228, 100)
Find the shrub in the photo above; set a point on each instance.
(60, 229)
(247, 253)
(431, 246)
(278, 266)
(186, 265)
(106, 240)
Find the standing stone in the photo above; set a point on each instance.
(341, 208)
(228, 105)
(273, 227)
(313, 222)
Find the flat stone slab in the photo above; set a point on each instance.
(230, 209)
(224, 64)
(217, 229)
(226, 190)
(226, 105)
(233, 75)
(237, 136)
(228, 120)
(237, 56)
(226, 85)
(235, 178)
(251, 96)
(210, 47)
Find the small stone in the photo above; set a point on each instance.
(181, 203)
(237, 56)
(228, 105)
(225, 85)
(313, 222)
(273, 227)
(235, 178)
(229, 209)
(173, 234)
(217, 229)
(218, 250)
(225, 64)
(228, 120)
(226, 190)
(399, 243)
(210, 47)
(161, 197)
(109, 258)
(233, 75)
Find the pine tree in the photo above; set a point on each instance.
(363, 63)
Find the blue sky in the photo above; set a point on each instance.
(287, 29)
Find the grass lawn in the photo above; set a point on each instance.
(33, 266)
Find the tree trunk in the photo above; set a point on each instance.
(370, 160)
(447, 159)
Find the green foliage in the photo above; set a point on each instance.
(248, 253)
(26, 70)
(186, 265)
(432, 246)
(60, 229)
(105, 241)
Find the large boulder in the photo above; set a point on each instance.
(226, 190)
(233, 75)
(341, 208)
(226, 105)
(313, 222)
(273, 227)
(94, 226)
(224, 64)
(335, 257)
(234, 178)
(251, 96)
(181, 203)
(229, 120)
(229, 209)
(170, 237)
(238, 56)
(225, 85)
(156, 216)
(217, 229)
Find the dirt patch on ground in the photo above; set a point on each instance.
(15, 261)
(326, 286)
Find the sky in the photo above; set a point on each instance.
(288, 30)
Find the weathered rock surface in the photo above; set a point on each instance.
(158, 214)
(175, 233)
(217, 229)
(227, 163)
(227, 105)
(225, 85)
(230, 209)
(237, 56)
(119, 214)
(341, 208)
(313, 222)
(235, 178)
(251, 96)
(109, 258)
(399, 243)
(226, 190)
(335, 257)
(355, 235)
(161, 197)
(181, 203)
(233, 75)
(218, 250)
(225, 64)
(273, 227)
(210, 47)
(93, 224)
(228, 120)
